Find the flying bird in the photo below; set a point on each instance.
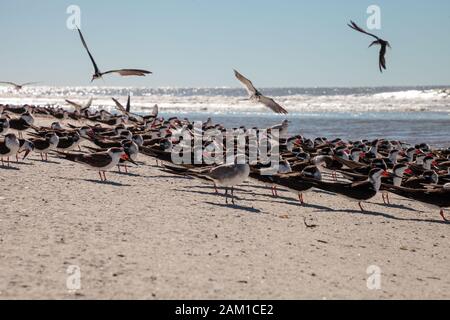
(18, 86)
(123, 72)
(257, 96)
(383, 44)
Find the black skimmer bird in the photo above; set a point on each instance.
(101, 161)
(26, 146)
(17, 86)
(257, 96)
(44, 145)
(383, 45)
(359, 191)
(9, 147)
(4, 125)
(21, 124)
(435, 196)
(123, 72)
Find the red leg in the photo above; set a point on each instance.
(8, 161)
(300, 198)
(275, 191)
(387, 198)
(126, 168)
(104, 175)
(118, 167)
(42, 158)
(100, 174)
(215, 188)
(442, 215)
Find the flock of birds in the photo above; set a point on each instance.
(357, 170)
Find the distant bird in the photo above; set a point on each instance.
(257, 96)
(383, 44)
(78, 107)
(16, 86)
(123, 72)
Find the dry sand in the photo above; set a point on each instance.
(153, 235)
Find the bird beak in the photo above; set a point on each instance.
(408, 171)
(127, 158)
(362, 155)
(418, 152)
(26, 154)
(386, 174)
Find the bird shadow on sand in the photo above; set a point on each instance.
(234, 206)
(384, 215)
(395, 206)
(45, 161)
(107, 182)
(5, 167)
(129, 174)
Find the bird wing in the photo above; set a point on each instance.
(88, 104)
(98, 160)
(354, 26)
(96, 70)
(270, 103)
(129, 72)
(129, 104)
(119, 106)
(10, 83)
(28, 83)
(74, 104)
(382, 62)
(247, 84)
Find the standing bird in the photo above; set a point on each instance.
(383, 44)
(123, 72)
(257, 96)
(16, 86)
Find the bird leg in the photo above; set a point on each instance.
(46, 157)
(8, 161)
(442, 215)
(387, 198)
(79, 148)
(215, 188)
(118, 167)
(42, 158)
(17, 158)
(104, 176)
(360, 206)
(100, 174)
(300, 198)
(226, 195)
(126, 168)
(334, 176)
(275, 191)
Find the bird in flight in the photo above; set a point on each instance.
(383, 44)
(257, 96)
(17, 86)
(123, 72)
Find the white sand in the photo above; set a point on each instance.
(152, 235)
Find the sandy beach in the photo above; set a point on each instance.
(154, 235)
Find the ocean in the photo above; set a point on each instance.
(410, 114)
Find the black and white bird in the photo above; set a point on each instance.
(17, 86)
(123, 72)
(257, 96)
(383, 45)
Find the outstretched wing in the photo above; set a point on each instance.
(247, 84)
(28, 84)
(354, 26)
(10, 83)
(270, 103)
(129, 104)
(96, 70)
(119, 106)
(88, 104)
(382, 60)
(77, 106)
(129, 72)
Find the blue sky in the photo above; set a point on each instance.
(199, 42)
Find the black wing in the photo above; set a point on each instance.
(382, 62)
(354, 26)
(96, 70)
(129, 104)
